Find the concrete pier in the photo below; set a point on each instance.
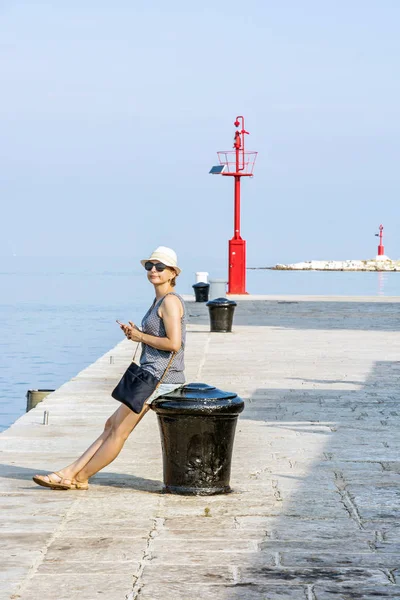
(315, 508)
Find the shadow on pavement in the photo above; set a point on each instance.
(329, 474)
(106, 479)
(368, 316)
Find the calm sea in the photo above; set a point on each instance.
(58, 316)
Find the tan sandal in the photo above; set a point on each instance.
(72, 484)
(54, 485)
(79, 485)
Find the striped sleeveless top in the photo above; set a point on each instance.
(155, 361)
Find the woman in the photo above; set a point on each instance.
(163, 331)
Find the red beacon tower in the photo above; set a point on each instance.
(381, 248)
(236, 163)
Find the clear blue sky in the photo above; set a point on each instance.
(112, 113)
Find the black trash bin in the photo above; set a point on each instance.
(221, 314)
(197, 426)
(201, 290)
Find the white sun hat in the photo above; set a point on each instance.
(166, 256)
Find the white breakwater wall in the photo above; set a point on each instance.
(342, 265)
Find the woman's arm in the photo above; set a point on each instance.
(171, 313)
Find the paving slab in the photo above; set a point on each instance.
(236, 591)
(356, 592)
(313, 512)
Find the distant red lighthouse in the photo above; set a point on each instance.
(381, 248)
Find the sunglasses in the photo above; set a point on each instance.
(159, 266)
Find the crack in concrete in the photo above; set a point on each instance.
(310, 593)
(390, 575)
(158, 525)
(346, 500)
(328, 455)
(277, 493)
(351, 508)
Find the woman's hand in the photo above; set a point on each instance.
(132, 332)
(171, 312)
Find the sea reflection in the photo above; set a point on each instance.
(382, 279)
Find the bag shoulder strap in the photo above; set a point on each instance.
(168, 366)
(173, 354)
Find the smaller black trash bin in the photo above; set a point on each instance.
(201, 290)
(33, 397)
(221, 314)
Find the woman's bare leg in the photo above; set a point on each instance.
(123, 420)
(123, 423)
(71, 470)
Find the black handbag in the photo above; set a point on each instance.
(137, 385)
